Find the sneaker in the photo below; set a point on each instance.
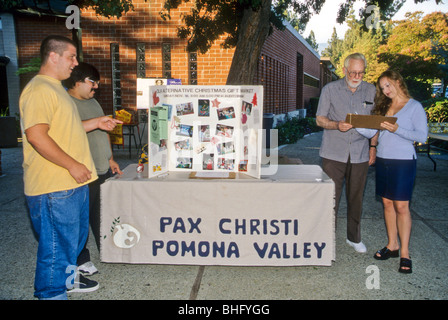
(87, 269)
(359, 247)
(82, 284)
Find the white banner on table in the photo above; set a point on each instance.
(250, 222)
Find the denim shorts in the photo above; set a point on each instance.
(61, 222)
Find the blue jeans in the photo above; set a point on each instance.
(61, 221)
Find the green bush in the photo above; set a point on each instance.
(294, 129)
(32, 66)
(438, 111)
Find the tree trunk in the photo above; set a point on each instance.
(253, 31)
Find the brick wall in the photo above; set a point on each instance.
(144, 25)
(283, 47)
(30, 31)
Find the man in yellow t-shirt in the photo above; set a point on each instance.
(57, 168)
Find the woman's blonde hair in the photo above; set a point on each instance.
(382, 103)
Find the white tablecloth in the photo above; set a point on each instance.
(286, 219)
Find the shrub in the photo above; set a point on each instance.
(438, 111)
(294, 129)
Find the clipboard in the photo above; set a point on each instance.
(368, 121)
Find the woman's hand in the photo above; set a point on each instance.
(389, 126)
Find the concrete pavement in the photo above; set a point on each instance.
(350, 276)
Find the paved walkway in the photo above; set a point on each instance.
(348, 278)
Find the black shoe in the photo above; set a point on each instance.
(82, 284)
(405, 265)
(385, 254)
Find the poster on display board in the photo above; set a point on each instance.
(143, 85)
(210, 130)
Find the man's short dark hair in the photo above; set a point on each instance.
(80, 73)
(54, 43)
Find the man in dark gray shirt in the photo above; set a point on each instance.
(82, 86)
(346, 155)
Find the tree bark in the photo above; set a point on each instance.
(253, 31)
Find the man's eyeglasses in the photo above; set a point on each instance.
(93, 81)
(354, 73)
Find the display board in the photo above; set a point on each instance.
(207, 129)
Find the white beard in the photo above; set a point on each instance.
(351, 84)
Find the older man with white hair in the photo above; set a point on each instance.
(346, 155)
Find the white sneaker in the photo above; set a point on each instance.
(359, 247)
(87, 269)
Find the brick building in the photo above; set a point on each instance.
(141, 44)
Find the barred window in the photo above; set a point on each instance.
(141, 65)
(273, 75)
(116, 75)
(193, 68)
(166, 60)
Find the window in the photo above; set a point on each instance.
(311, 81)
(116, 75)
(166, 60)
(274, 75)
(141, 65)
(193, 68)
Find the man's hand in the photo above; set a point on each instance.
(80, 173)
(104, 123)
(328, 124)
(344, 126)
(108, 123)
(114, 167)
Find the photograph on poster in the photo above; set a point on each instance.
(163, 144)
(184, 163)
(245, 111)
(246, 108)
(226, 164)
(225, 148)
(184, 130)
(203, 108)
(242, 167)
(185, 109)
(214, 140)
(226, 113)
(183, 145)
(201, 148)
(224, 131)
(204, 133)
(207, 161)
(143, 85)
